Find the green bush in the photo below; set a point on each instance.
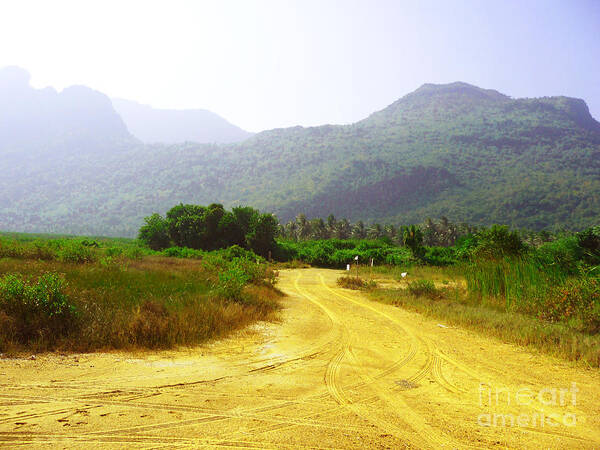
(424, 288)
(576, 301)
(440, 256)
(183, 252)
(231, 283)
(37, 309)
(498, 242)
(113, 252)
(564, 253)
(350, 282)
(76, 252)
(589, 242)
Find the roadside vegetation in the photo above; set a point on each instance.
(202, 271)
(76, 294)
(532, 288)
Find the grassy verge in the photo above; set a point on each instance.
(442, 293)
(111, 301)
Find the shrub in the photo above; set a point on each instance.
(424, 288)
(440, 256)
(235, 251)
(564, 253)
(37, 309)
(498, 242)
(350, 282)
(134, 253)
(231, 283)
(577, 300)
(75, 252)
(112, 252)
(589, 241)
(183, 252)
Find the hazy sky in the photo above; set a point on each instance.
(275, 63)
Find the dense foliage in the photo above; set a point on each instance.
(469, 154)
(210, 228)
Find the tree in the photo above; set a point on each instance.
(498, 242)
(331, 225)
(344, 229)
(291, 230)
(413, 239)
(261, 238)
(375, 231)
(359, 231)
(303, 226)
(155, 232)
(318, 229)
(186, 225)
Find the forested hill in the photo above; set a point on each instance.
(454, 150)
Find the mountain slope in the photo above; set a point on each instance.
(43, 120)
(175, 126)
(456, 150)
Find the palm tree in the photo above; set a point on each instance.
(291, 230)
(303, 225)
(344, 229)
(358, 231)
(331, 225)
(413, 239)
(318, 229)
(375, 231)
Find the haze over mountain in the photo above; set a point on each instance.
(456, 150)
(170, 126)
(78, 119)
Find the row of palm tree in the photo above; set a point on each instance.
(440, 232)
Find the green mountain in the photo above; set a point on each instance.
(469, 154)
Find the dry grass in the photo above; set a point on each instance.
(350, 282)
(154, 302)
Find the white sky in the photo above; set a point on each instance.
(273, 63)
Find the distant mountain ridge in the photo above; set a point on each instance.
(74, 120)
(170, 126)
(473, 155)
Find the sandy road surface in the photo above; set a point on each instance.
(338, 371)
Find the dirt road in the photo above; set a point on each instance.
(338, 371)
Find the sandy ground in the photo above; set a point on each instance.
(338, 371)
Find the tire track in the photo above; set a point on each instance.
(425, 434)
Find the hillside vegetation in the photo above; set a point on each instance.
(470, 154)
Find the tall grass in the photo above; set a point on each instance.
(152, 302)
(553, 307)
(545, 291)
(516, 281)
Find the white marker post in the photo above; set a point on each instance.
(356, 259)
